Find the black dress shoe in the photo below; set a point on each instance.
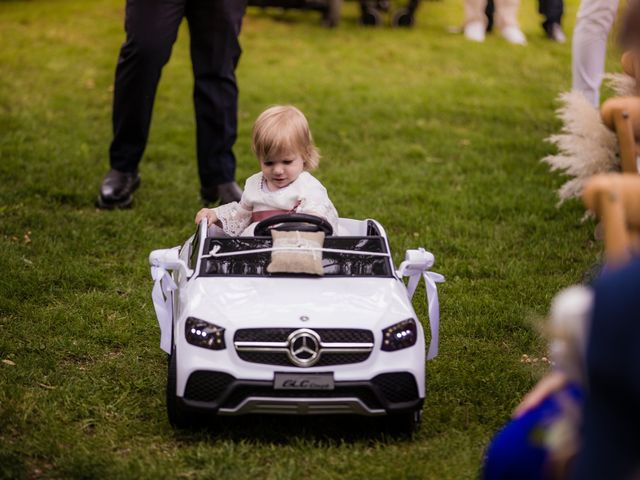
(117, 189)
(225, 192)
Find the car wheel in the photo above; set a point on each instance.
(178, 416)
(370, 16)
(402, 18)
(405, 423)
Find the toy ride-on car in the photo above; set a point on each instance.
(242, 340)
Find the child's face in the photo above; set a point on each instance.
(280, 172)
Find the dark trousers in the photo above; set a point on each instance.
(152, 27)
(552, 11)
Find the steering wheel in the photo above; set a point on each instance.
(301, 222)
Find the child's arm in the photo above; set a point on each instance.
(207, 213)
(316, 202)
(233, 217)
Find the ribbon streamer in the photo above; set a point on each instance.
(163, 304)
(414, 272)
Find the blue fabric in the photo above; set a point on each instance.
(517, 451)
(611, 425)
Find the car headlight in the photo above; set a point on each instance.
(204, 334)
(400, 335)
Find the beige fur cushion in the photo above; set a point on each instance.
(303, 261)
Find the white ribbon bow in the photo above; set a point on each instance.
(417, 265)
(162, 302)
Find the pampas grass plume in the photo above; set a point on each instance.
(585, 145)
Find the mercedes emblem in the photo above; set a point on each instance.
(303, 347)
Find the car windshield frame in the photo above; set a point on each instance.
(342, 257)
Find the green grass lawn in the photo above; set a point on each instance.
(437, 138)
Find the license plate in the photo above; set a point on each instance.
(303, 381)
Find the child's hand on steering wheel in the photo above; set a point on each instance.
(207, 213)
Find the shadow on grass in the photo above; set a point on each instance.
(329, 430)
(290, 16)
(62, 198)
(307, 17)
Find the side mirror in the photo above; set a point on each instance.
(168, 259)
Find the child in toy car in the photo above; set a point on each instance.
(284, 146)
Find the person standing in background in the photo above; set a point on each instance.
(552, 11)
(506, 19)
(151, 30)
(593, 23)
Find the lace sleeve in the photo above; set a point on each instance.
(234, 218)
(322, 207)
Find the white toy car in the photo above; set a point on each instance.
(245, 341)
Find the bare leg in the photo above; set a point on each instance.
(615, 198)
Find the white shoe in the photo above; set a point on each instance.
(514, 35)
(475, 31)
(555, 33)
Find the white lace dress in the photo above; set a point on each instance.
(305, 195)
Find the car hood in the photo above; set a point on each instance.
(243, 302)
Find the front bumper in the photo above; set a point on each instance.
(221, 393)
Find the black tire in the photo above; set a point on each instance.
(369, 14)
(331, 17)
(179, 418)
(403, 18)
(405, 423)
(371, 17)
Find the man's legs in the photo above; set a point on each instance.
(215, 50)
(151, 27)
(552, 11)
(594, 20)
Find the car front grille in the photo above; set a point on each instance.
(269, 346)
(278, 358)
(262, 334)
(347, 335)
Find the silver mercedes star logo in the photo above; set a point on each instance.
(303, 347)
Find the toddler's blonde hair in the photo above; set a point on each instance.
(284, 130)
